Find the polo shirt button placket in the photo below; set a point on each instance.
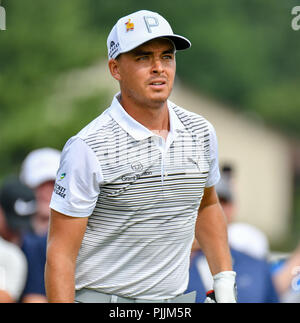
(159, 145)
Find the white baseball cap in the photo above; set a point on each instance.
(248, 239)
(40, 166)
(139, 27)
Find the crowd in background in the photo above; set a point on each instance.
(24, 217)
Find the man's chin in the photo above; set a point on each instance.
(159, 98)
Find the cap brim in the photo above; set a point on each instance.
(180, 42)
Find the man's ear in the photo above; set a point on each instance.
(113, 65)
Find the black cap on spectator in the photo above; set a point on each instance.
(18, 203)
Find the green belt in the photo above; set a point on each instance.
(86, 295)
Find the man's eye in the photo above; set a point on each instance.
(168, 57)
(142, 58)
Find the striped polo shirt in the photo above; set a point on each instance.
(141, 194)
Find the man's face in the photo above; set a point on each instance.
(43, 197)
(146, 74)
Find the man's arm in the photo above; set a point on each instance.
(211, 232)
(64, 240)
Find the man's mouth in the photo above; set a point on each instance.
(158, 84)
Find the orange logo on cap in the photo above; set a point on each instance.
(129, 25)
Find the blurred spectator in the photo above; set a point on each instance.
(254, 280)
(34, 248)
(17, 204)
(13, 270)
(249, 239)
(286, 275)
(242, 236)
(38, 171)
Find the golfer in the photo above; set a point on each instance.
(136, 185)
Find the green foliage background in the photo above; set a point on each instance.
(244, 53)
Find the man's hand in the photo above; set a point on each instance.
(224, 288)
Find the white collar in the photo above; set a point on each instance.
(136, 129)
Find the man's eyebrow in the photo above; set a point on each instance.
(140, 52)
(169, 51)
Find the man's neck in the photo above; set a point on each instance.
(155, 117)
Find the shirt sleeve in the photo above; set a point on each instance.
(78, 179)
(214, 172)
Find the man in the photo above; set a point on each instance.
(38, 171)
(286, 275)
(17, 206)
(130, 184)
(13, 269)
(242, 236)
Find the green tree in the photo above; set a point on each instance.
(43, 40)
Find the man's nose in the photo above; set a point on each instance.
(157, 66)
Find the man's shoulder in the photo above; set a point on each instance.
(95, 126)
(188, 117)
